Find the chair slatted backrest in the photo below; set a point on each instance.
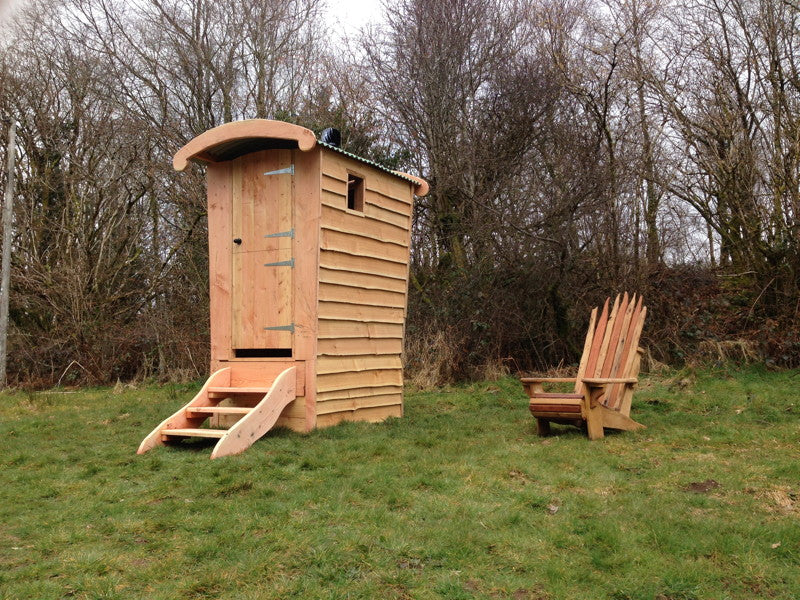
(596, 335)
(610, 349)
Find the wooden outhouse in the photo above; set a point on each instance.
(308, 264)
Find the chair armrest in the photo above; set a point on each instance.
(547, 379)
(608, 380)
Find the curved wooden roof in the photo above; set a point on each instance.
(241, 137)
(236, 138)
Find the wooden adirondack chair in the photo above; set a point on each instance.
(607, 375)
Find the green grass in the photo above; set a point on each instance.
(459, 499)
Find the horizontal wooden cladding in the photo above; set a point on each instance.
(363, 362)
(336, 167)
(358, 245)
(332, 259)
(351, 404)
(332, 200)
(336, 329)
(350, 393)
(355, 295)
(295, 424)
(376, 206)
(358, 312)
(334, 184)
(359, 379)
(370, 415)
(357, 346)
(381, 214)
(376, 195)
(366, 281)
(363, 225)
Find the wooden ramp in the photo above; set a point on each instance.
(253, 422)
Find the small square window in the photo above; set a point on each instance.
(355, 192)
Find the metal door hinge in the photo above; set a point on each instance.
(289, 234)
(281, 263)
(281, 328)
(288, 170)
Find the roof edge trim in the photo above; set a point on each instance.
(196, 148)
(422, 188)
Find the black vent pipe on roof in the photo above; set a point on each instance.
(331, 136)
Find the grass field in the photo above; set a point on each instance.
(459, 499)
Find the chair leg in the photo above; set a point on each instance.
(594, 423)
(542, 427)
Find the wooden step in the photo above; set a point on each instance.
(217, 410)
(204, 433)
(228, 392)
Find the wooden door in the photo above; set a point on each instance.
(263, 263)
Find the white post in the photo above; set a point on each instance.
(5, 268)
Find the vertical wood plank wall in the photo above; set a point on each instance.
(363, 280)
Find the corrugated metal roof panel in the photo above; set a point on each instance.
(366, 161)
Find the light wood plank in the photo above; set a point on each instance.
(367, 281)
(335, 260)
(363, 246)
(360, 345)
(601, 357)
(333, 180)
(218, 410)
(364, 225)
(367, 233)
(355, 295)
(220, 199)
(307, 220)
(202, 433)
(335, 328)
(597, 341)
(298, 425)
(361, 379)
(360, 313)
(346, 364)
(399, 220)
(633, 357)
(401, 206)
(334, 406)
(333, 201)
(349, 394)
(227, 392)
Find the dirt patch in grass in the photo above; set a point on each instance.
(701, 487)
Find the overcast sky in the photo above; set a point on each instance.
(350, 15)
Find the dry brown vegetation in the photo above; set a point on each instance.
(574, 149)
